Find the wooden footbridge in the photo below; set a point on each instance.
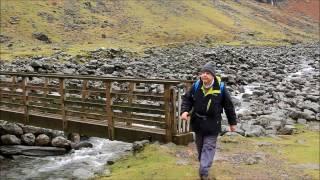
(115, 108)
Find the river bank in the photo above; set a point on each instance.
(282, 157)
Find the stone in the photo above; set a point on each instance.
(251, 161)
(106, 68)
(74, 137)
(302, 121)
(312, 106)
(232, 134)
(81, 145)
(32, 129)
(42, 37)
(36, 64)
(138, 146)
(11, 128)
(60, 142)
(42, 140)
(309, 115)
(9, 139)
(31, 150)
(82, 173)
(287, 130)
(255, 131)
(28, 139)
(68, 71)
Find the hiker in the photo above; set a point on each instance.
(207, 98)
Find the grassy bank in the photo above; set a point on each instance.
(282, 157)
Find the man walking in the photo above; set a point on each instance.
(207, 98)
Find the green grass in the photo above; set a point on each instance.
(153, 163)
(160, 162)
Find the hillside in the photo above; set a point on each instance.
(79, 25)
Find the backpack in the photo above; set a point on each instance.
(196, 87)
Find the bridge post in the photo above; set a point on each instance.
(45, 90)
(25, 100)
(109, 111)
(62, 101)
(130, 99)
(84, 96)
(167, 112)
(173, 100)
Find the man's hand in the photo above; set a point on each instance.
(184, 116)
(233, 128)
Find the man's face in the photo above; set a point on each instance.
(206, 77)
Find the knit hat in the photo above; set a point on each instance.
(208, 67)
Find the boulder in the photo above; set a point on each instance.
(41, 36)
(253, 130)
(9, 139)
(11, 128)
(31, 129)
(74, 137)
(28, 139)
(81, 145)
(286, 130)
(60, 142)
(138, 146)
(42, 140)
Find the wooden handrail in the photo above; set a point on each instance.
(82, 77)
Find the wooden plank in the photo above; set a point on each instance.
(12, 96)
(11, 103)
(62, 104)
(95, 78)
(135, 93)
(45, 90)
(49, 96)
(140, 121)
(84, 94)
(152, 117)
(44, 104)
(89, 115)
(97, 101)
(143, 106)
(25, 100)
(84, 103)
(109, 110)
(138, 109)
(80, 109)
(173, 111)
(51, 100)
(14, 83)
(130, 99)
(1, 95)
(42, 109)
(167, 113)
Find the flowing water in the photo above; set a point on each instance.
(79, 164)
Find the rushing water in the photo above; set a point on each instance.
(79, 164)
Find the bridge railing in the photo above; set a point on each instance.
(144, 104)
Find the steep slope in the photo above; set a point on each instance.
(77, 25)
